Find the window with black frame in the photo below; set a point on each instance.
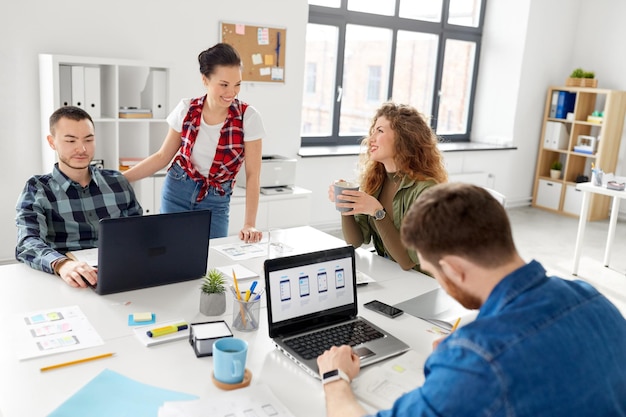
(361, 53)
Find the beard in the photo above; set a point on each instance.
(464, 298)
(75, 164)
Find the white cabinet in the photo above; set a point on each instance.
(102, 86)
(548, 194)
(275, 211)
(573, 200)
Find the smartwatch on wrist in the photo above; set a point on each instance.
(334, 375)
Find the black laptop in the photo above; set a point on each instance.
(313, 296)
(145, 251)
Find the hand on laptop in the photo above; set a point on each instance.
(78, 274)
(250, 234)
(341, 357)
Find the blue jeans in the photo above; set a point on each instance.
(179, 194)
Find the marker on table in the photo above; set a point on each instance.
(162, 331)
(250, 291)
(91, 358)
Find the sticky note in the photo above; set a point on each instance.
(141, 317)
(257, 59)
(240, 29)
(269, 60)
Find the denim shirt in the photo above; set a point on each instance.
(541, 346)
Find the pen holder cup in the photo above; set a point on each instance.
(246, 313)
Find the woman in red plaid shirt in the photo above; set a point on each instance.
(209, 138)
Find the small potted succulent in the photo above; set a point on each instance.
(555, 169)
(213, 295)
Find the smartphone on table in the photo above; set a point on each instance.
(384, 309)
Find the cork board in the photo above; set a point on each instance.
(262, 50)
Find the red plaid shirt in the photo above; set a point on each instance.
(229, 154)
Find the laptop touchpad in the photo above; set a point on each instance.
(363, 352)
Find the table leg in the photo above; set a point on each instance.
(612, 224)
(582, 223)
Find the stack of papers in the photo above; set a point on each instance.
(255, 400)
(380, 385)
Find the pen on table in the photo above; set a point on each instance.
(236, 285)
(259, 295)
(250, 291)
(456, 324)
(91, 358)
(162, 331)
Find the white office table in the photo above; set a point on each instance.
(25, 391)
(588, 188)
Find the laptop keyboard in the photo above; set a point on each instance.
(312, 345)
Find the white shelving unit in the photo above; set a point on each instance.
(107, 85)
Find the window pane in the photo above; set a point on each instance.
(464, 12)
(383, 7)
(366, 48)
(456, 85)
(319, 86)
(415, 68)
(326, 3)
(428, 10)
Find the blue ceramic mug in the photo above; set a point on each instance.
(229, 359)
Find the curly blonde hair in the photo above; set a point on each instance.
(416, 151)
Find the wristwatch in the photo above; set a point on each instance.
(334, 375)
(379, 214)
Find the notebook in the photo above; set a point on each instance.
(315, 292)
(145, 251)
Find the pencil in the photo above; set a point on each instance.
(456, 324)
(91, 358)
(241, 310)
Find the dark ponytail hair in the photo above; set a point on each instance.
(221, 54)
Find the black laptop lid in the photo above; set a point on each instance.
(146, 251)
(311, 290)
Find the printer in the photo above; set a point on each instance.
(278, 174)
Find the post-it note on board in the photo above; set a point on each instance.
(140, 319)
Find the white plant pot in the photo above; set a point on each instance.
(212, 304)
(555, 174)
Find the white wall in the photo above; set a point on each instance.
(153, 30)
(527, 46)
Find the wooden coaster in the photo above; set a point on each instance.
(247, 377)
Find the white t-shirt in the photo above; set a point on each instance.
(208, 137)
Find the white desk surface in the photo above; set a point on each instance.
(25, 391)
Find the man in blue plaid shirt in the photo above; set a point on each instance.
(60, 211)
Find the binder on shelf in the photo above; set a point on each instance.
(78, 86)
(565, 104)
(92, 92)
(556, 136)
(65, 85)
(553, 104)
(154, 93)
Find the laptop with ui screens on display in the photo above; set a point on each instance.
(145, 251)
(315, 293)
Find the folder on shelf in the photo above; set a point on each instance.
(92, 92)
(78, 86)
(556, 136)
(553, 104)
(565, 104)
(154, 93)
(65, 85)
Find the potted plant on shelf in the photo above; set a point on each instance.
(581, 78)
(555, 170)
(213, 295)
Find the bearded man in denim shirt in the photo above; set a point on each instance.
(540, 346)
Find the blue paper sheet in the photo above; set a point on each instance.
(113, 394)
